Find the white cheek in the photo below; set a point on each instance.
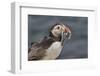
(56, 32)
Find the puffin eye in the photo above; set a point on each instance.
(58, 27)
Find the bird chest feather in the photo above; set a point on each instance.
(53, 51)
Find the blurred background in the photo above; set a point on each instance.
(76, 47)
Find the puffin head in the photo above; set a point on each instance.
(60, 30)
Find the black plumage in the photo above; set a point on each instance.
(38, 50)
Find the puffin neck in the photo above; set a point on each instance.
(56, 38)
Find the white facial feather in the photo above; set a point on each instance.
(57, 31)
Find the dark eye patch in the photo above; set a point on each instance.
(58, 27)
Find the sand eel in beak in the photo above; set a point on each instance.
(50, 47)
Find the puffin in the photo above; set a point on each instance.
(50, 46)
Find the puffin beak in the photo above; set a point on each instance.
(67, 32)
